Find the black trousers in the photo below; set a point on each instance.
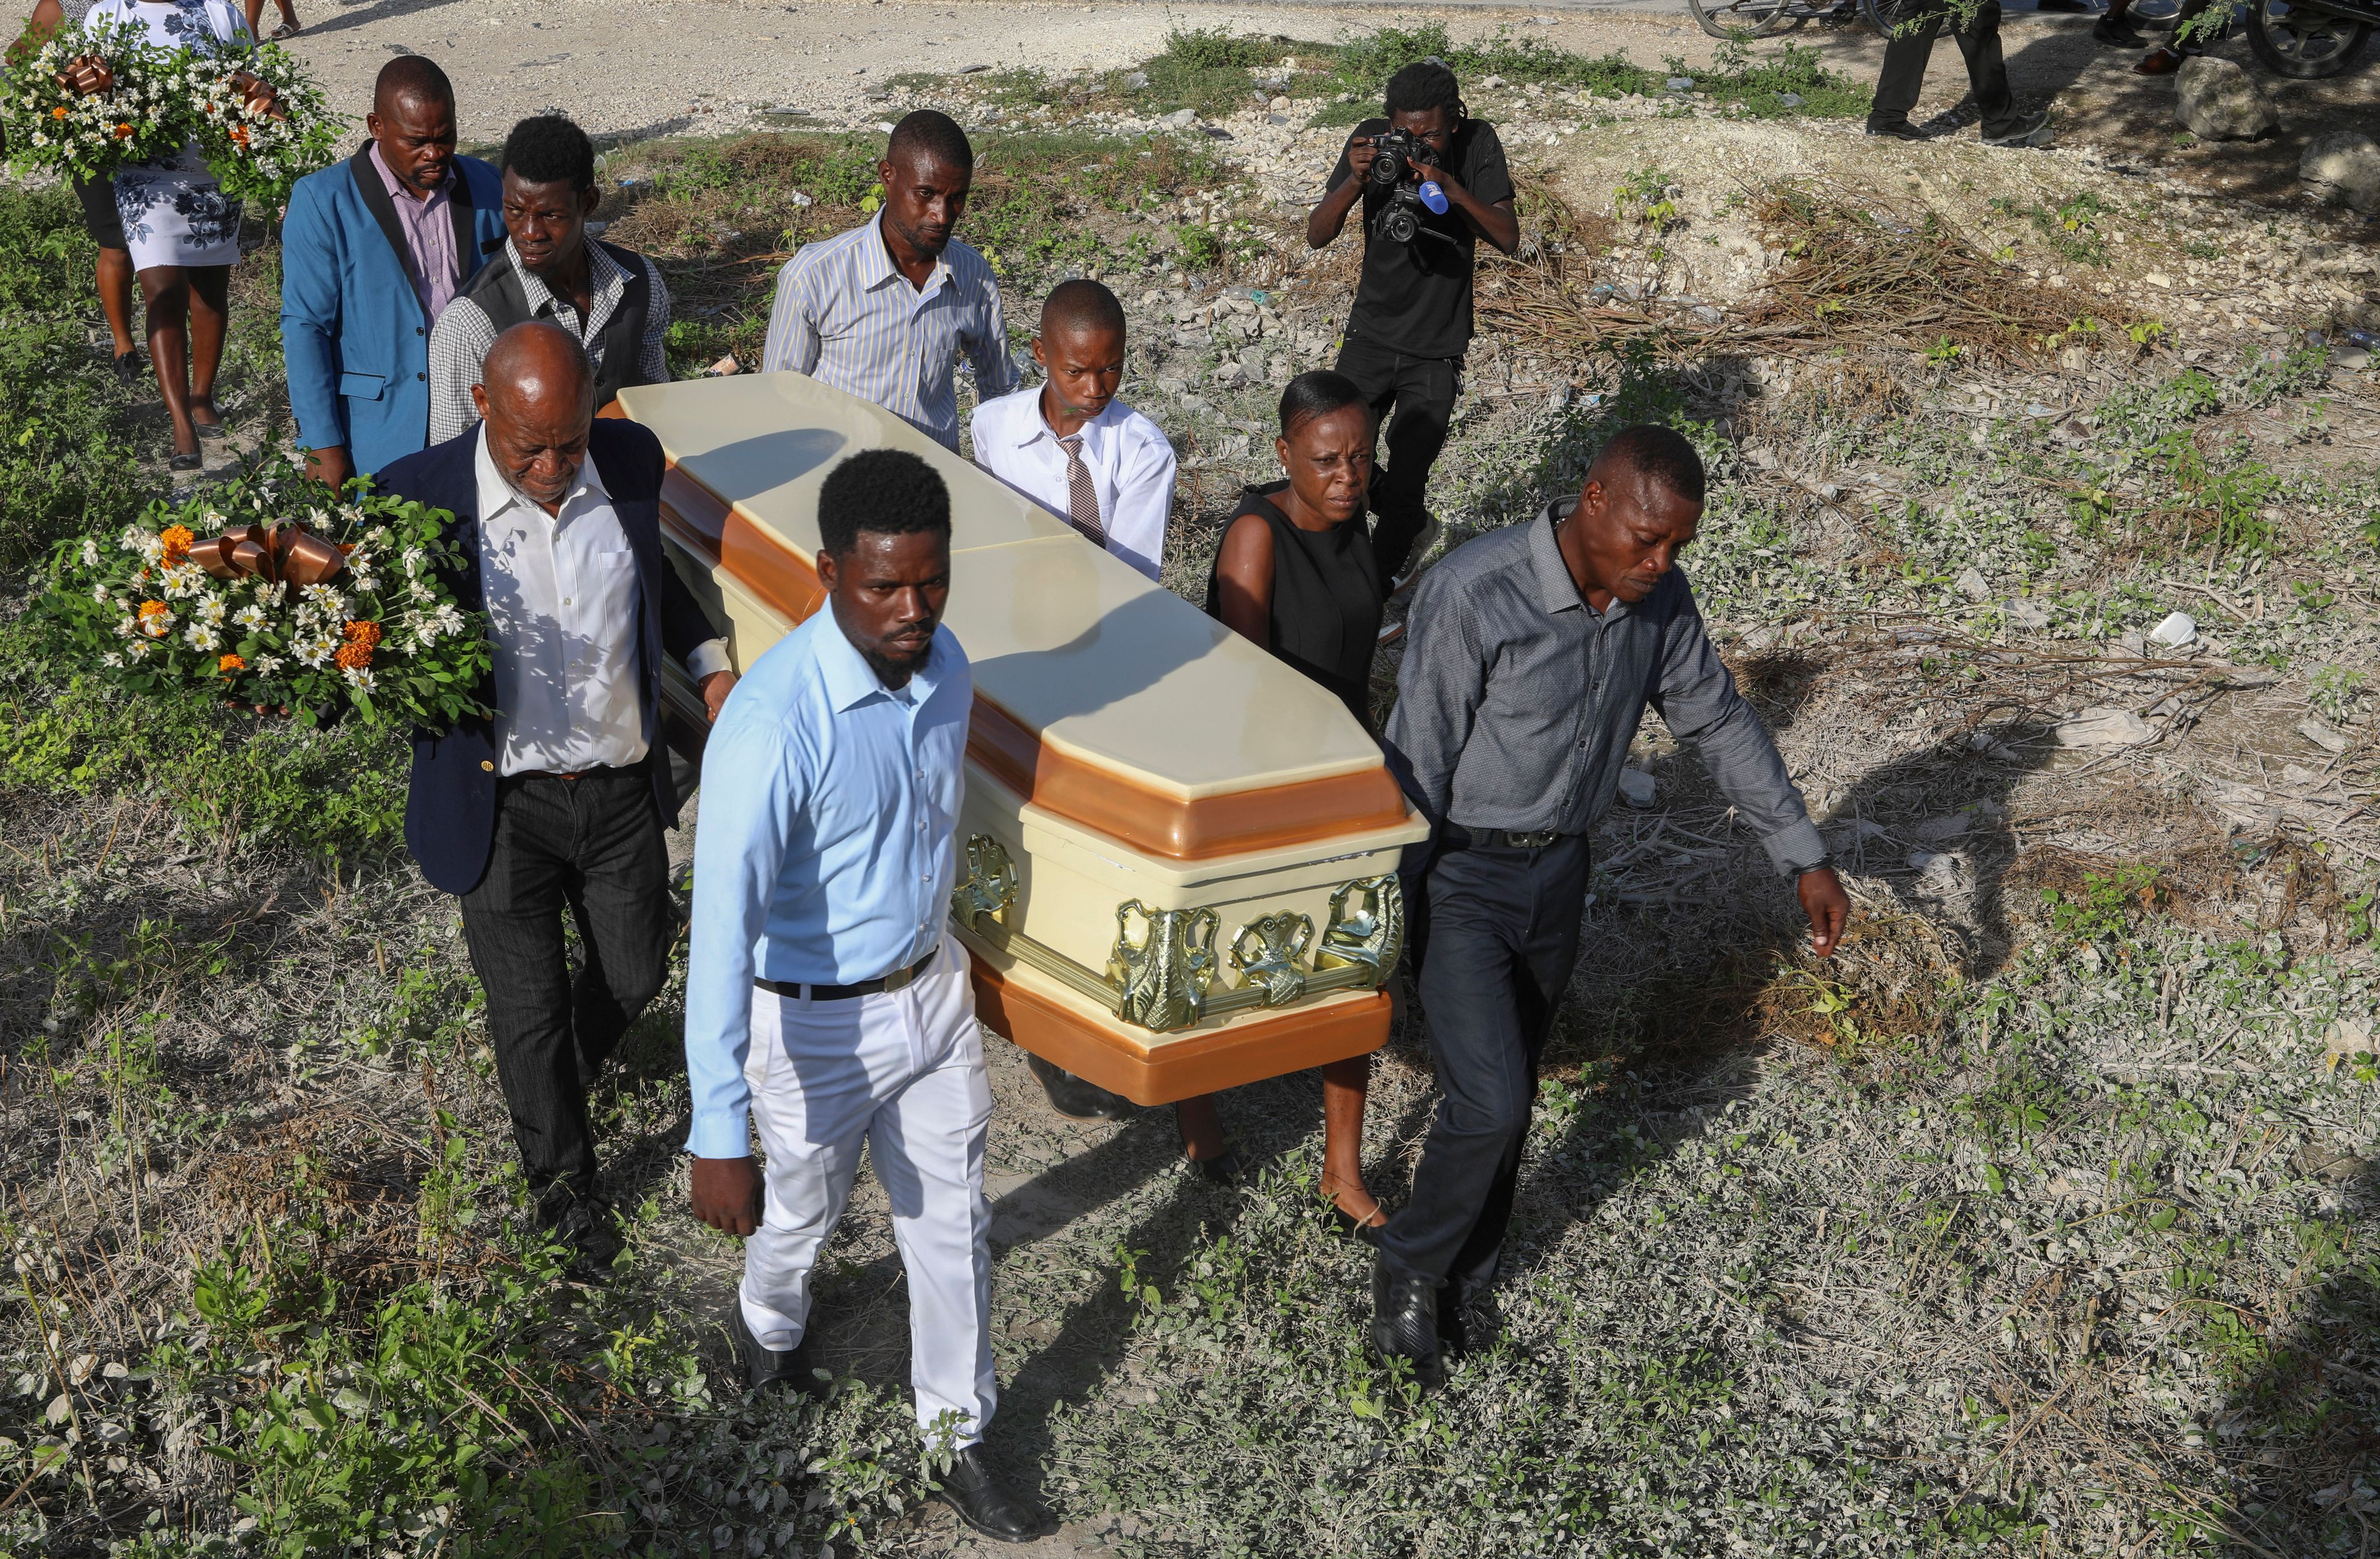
(593, 846)
(1496, 933)
(1904, 70)
(1420, 394)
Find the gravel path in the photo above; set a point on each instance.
(661, 66)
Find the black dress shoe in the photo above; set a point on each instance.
(1073, 1097)
(772, 1369)
(584, 1227)
(1902, 131)
(968, 1487)
(1404, 1321)
(1223, 1169)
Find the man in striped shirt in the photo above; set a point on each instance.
(884, 311)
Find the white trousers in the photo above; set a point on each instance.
(902, 1071)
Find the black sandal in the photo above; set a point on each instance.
(129, 368)
(194, 461)
(209, 429)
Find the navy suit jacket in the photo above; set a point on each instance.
(352, 335)
(450, 807)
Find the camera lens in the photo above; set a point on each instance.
(1398, 226)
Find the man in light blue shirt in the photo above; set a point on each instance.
(826, 1001)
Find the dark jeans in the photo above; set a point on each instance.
(1905, 71)
(1495, 935)
(1421, 391)
(593, 845)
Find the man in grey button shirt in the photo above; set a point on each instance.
(1533, 653)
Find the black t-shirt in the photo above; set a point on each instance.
(1416, 298)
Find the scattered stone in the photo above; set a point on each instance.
(2176, 631)
(1789, 99)
(2349, 1038)
(2220, 101)
(2022, 612)
(2074, 359)
(1180, 119)
(1681, 83)
(1936, 829)
(973, 69)
(2343, 167)
(2104, 728)
(1762, 457)
(1136, 81)
(1637, 787)
(2328, 739)
(1974, 586)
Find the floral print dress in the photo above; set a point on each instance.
(173, 211)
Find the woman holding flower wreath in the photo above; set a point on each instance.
(105, 228)
(182, 232)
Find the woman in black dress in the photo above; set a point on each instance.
(1297, 576)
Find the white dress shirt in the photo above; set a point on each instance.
(1130, 462)
(561, 600)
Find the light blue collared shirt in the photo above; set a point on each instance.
(826, 848)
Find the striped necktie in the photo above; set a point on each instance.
(1082, 499)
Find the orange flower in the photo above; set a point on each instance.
(240, 135)
(124, 132)
(177, 539)
(353, 656)
(364, 634)
(153, 609)
(58, 113)
(227, 664)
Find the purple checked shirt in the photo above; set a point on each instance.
(429, 259)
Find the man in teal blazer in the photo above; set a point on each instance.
(372, 250)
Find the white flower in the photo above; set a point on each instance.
(202, 635)
(99, 594)
(358, 678)
(266, 665)
(250, 616)
(327, 601)
(90, 552)
(138, 649)
(211, 610)
(112, 659)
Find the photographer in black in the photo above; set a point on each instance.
(1433, 182)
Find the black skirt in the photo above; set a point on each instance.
(99, 219)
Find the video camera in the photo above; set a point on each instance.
(1394, 154)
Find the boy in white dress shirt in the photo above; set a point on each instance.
(1070, 445)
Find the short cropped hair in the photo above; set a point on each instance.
(1420, 86)
(1081, 305)
(934, 136)
(1317, 392)
(547, 149)
(883, 491)
(1660, 454)
(412, 76)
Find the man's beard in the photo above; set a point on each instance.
(891, 672)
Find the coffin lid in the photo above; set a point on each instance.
(1112, 676)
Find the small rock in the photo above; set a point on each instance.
(2347, 1038)
(1762, 457)
(1135, 80)
(1936, 829)
(2035, 409)
(2132, 643)
(2028, 614)
(2344, 166)
(2351, 357)
(2298, 774)
(1681, 83)
(2176, 631)
(1831, 491)
(1637, 787)
(1974, 586)
(2329, 739)
(2220, 101)
(1789, 99)
(1180, 119)
(973, 69)
(2103, 727)
(2074, 359)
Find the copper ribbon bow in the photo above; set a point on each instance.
(284, 555)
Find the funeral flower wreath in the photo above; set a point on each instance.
(149, 103)
(276, 593)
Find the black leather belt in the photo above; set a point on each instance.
(1511, 839)
(893, 981)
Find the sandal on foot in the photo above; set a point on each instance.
(194, 461)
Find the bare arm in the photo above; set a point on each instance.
(1243, 580)
(1325, 221)
(1496, 223)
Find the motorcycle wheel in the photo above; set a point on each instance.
(1741, 18)
(1884, 17)
(2303, 44)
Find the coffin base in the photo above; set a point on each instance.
(1025, 1006)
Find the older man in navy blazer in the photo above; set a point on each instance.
(559, 800)
(373, 249)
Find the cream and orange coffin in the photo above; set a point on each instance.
(1178, 856)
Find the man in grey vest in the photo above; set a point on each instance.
(610, 298)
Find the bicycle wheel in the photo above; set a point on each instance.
(1741, 18)
(2302, 44)
(1884, 17)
